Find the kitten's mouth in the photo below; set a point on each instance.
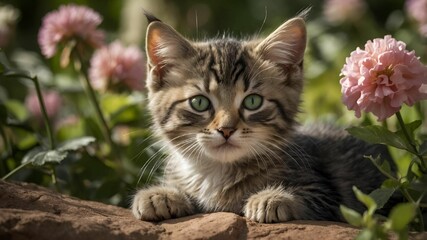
(226, 146)
(226, 152)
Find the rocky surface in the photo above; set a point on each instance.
(28, 211)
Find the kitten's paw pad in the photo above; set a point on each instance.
(160, 203)
(269, 206)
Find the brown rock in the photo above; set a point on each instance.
(28, 211)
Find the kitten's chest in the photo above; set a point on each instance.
(216, 187)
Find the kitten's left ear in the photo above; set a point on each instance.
(286, 45)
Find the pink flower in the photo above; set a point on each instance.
(52, 101)
(339, 11)
(122, 134)
(417, 9)
(8, 18)
(70, 121)
(116, 66)
(68, 23)
(381, 77)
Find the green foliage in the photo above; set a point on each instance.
(379, 134)
(39, 157)
(382, 195)
(16, 110)
(90, 167)
(370, 223)
(412, 184)
(401, 216)
(375, 227)
(75, 144)
(351, 216)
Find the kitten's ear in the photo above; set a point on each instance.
(165, 46)
(286, 45)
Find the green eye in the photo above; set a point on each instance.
(252, 102)
(200, 103)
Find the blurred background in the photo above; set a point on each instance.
(335, 29)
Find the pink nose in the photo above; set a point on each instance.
(226, 131)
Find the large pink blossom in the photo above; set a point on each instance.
(381, 77)
(116, 66)
(8, 19)
(52, 101)
(417, 10)
(70, 22)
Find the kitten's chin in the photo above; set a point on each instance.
(225, 152)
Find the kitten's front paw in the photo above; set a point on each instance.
(160, 203)
(269, 206)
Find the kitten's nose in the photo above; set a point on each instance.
(226, 131)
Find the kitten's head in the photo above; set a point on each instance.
(225, 100)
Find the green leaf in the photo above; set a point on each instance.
(401, 215)
(3, 114)
(4, 62)
(351, 216)
(23, 138)
(420, 184)
(381, 196)
(390, 183)
(17, 109)
(411, 127)
(91, 127)
(111, 103)
(77, 143)
(40, 157)
(380, 163)
(71, 130)
(125, 113)
(366, 234)
(17, 73)
(423, 148)
(410, 174)
(378, 134)
(365, 199)
(8, 71)
(4, 93)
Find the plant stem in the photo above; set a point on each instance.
(54, 178)
(44, 113)
(15, 170)
(410, 141)
(5, 139)
(419, 212)
(383, 172)
(42, 105)
(8, 152)
(92, 97)
(90, 92)
(420, 217)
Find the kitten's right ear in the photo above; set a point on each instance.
(164, 47)
(286, 45)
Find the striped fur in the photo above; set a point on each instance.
(258, 163)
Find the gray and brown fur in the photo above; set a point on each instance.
(269, 169)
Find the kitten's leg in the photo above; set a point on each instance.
(273, 205)
(160, 203)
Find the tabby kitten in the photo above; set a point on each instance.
(226, 110)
